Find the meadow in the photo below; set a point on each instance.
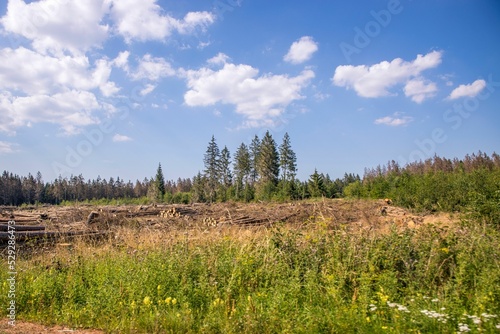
(313, 277)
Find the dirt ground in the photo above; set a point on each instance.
(351, 215)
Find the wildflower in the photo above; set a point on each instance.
(498, 326)
(438, 316)
(174, 301)
(367, 319)
(158, 287)
(147, 301)
(373, 308)
(462, 328)
(168, 300)
(399, 307)
(435, 300)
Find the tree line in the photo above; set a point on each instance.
(262, 170)
(259, 170)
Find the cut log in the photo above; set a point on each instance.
(5, 228)
(32, 235)
(92, 216)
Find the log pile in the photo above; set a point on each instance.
(176, 212)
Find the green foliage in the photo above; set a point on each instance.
(212, 169)
(159, 184)
(472, 186)
(287, 159)
(316, 186)
(268, 160)
(288, 280)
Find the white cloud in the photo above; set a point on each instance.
(152, 68)
(469, 90)
(7, 148)
(397, 119)
(419, 89)
(144, 20)
(57, 26)
(375, 81)
(29, 72)
(219, 59)
(260, 99)
(70, 110)
(121, 61)
(148, 89)
(301, 50)
(117, 138)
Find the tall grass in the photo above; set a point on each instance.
(283, 280)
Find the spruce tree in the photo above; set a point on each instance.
(268, 160)
(212, 169)
(242, 168)
(254, 158)
(316, 186)
(288, 160)
(159, 183)
(225, 167)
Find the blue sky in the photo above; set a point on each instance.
(113, 87)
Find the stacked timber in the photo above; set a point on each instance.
(209, 221)
(176, 212)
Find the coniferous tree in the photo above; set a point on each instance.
(268, 160)
(226, 179)
(225, 167)
(254, 158)
(198, 189)
(242, 168)
(212, 169)
(159, 184)
(316, 186)
(288, 160)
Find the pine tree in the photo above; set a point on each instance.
(268, 160)
(212, 169)
(159, 183)
(288, 160)
(254, 158)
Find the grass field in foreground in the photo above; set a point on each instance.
(280, 280)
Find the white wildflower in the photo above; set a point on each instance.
(462, 328)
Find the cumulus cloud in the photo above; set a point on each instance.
(470, 90)
(301, 50)
(27, 71)
(152, 68)
(117, 138)
(420, 89)
(58, 26)
(376, 80)
(260, 99)
(219, 59)
(145, 20)
(70, 110)
(397, 119)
